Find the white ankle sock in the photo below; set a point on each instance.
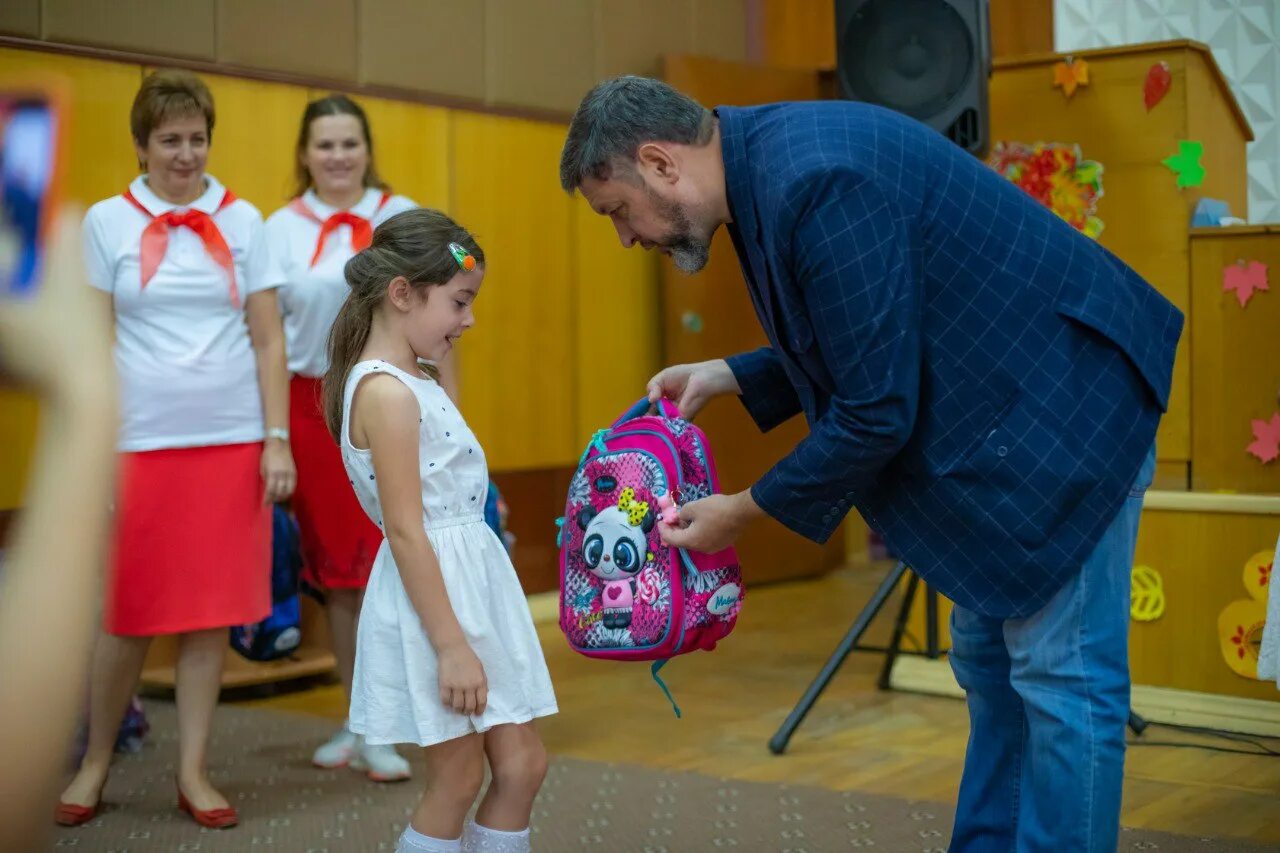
(482, 839)
(412, 841)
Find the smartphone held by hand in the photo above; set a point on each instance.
(31, 119)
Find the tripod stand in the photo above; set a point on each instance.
(852, 642)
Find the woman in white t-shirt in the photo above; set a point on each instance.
(204, 441)
(340, 200)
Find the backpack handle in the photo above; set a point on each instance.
(665, 408)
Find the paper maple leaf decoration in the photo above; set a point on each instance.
(1186, 163)
(1244, 279)
(1266, 439)
(1070, 74)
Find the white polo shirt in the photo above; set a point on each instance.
(188, 376)
(311, 295)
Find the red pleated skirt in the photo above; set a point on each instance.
(191, 548)
(339, 541)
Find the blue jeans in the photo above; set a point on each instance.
(1048, 699)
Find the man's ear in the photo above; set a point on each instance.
(658, 160)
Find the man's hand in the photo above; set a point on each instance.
(712, 524)
(692, 386)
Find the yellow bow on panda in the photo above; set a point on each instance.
(635, 510)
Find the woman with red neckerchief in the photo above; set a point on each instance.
(204, 441)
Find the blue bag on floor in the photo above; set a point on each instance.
(280, 633)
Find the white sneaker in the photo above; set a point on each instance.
(380, 763)
(338, 751)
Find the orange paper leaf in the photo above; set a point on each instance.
(1070, 74)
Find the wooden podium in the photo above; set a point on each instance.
(1235, 353)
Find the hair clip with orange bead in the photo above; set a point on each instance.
(465, 259)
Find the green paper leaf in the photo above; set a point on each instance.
(1186, 163)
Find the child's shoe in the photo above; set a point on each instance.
(337, 751)
(380, 763)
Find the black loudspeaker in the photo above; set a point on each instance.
(929, 59)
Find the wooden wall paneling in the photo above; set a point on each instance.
(630, 38)
(411, 144)
(430, 47)
(517, 365)
(799, 33)
(20, 18)
(254, 137)
(494, 55)
(1021, 26)
(617, 321)
(183, 28)
(535, 55)
(318, 38)
(719, 30)
(413, 147)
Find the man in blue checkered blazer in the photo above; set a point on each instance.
(982, 383)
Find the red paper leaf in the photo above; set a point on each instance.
(1266, 435)
(1157, 84)
(1244, 279)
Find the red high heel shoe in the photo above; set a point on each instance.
(213, 818)
(69, 814)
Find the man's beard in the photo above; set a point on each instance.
(688, 253)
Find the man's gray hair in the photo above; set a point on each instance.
(618, 116)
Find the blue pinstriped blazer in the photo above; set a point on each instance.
(981, 381)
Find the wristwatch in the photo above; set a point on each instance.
(278, 432)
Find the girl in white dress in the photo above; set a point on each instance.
(339, 201)
(446, 653)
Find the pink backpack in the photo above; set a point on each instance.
(624, 595)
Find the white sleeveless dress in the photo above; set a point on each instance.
(395, 696)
